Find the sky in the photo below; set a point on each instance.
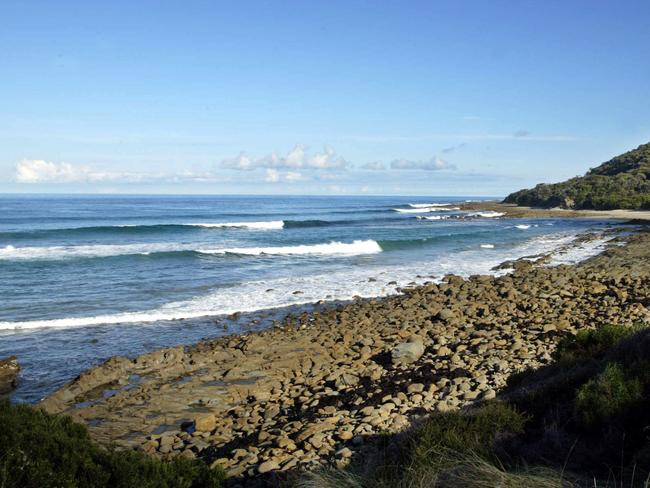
(317, 97)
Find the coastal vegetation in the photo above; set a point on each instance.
(622, 182)
(39, 450)
(582, 421)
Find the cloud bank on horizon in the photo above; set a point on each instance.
(36, 171)
(298, 165)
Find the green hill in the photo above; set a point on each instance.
(621, 182)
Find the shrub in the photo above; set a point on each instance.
(589, 344)
(608, 395)
(40, 450)
(472, 432)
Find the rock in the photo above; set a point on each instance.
(408, 352)
(266, 466)
(344, 453)
(346, 379)
(9, 369)
(489, 394)
(445, 314)
(205, 422)
(345, 434)
(415, 388)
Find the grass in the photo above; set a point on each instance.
(38, 450)
(472, 432)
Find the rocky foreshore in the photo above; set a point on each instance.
(319, 387)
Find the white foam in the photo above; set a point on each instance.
(522, 226)
(427, 205)
(575, 254)
(95, 250)
(273, 224)
(341, 284)
(487, 246)
(356, 247)
(106, 250)
(426, 209)
(489, 214)
(433, 217)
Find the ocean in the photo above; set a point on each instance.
(84, 278)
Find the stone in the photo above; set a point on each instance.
(266, 466)
(346, 379)
(205, 422)
(408, 352)
(344, 453)
(445, 314)
(345, 434)
(489, 394)
(9, 369)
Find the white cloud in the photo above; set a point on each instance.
(374, 166)
(272, 176)
(241, 161)
(38, 171)
(32, 171)
(433, 164)
(297, 158)
(275, 176)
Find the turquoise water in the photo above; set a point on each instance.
(83, 278)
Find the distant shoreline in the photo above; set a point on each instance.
(516, 211)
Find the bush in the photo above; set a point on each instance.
(472, 432)
(590, 344)
(610, 394)
(40, 450)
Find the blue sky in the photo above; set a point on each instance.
(340, 97)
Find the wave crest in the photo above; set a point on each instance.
(426, 209)
(355, 247)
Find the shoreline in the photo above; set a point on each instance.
(190, 331)
(515, 211)
(315, 389)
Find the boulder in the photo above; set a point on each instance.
(408, 352)
(267, 466)
(9, 369)
(205, 423)
(446, 315)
